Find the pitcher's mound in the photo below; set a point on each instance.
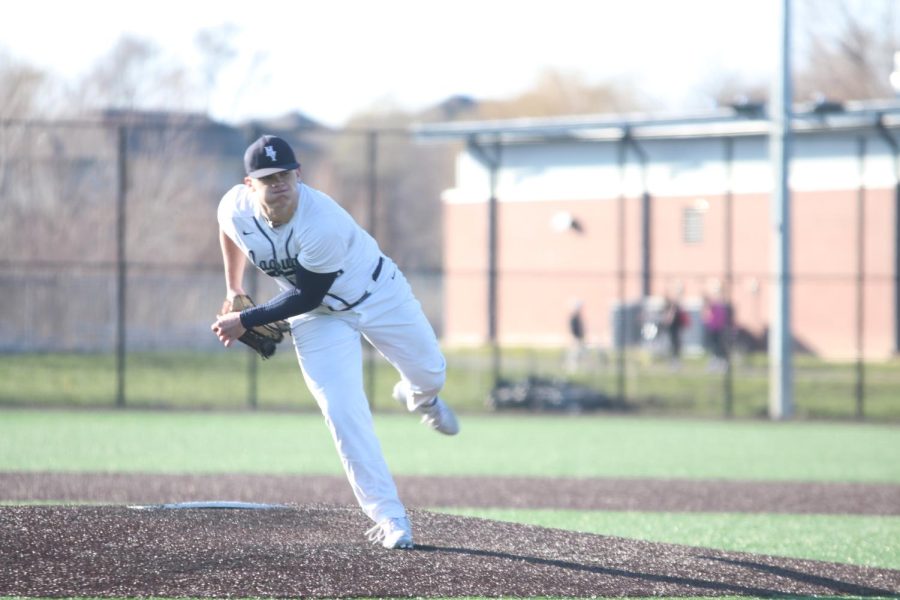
(320, 551)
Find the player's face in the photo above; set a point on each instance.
(277, 195)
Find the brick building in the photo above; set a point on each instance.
(620, 212)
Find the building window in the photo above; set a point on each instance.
(692, 225)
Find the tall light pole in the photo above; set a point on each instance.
(781, 389)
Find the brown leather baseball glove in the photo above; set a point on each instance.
(263, 339)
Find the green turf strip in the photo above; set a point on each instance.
(221, 379)
(490, 445)
(860, 540)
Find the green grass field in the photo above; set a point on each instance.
(573, 446)
(221, 380)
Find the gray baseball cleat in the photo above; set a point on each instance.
(392, 533)
(437, 415)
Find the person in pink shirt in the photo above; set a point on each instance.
(715, 324)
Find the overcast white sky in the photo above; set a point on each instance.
(331, 58)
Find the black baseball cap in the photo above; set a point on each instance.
(267, 155)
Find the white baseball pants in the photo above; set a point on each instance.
(329, 351)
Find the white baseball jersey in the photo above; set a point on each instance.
(321, 236)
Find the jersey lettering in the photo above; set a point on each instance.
(275, 267)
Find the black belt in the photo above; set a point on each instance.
(348, 306)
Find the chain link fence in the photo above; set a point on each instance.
(111, 275)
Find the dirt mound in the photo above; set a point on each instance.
(320, 551)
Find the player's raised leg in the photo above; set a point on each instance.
(396, 326)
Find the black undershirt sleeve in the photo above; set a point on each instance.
(311, 289)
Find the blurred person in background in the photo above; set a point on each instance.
(715, 325)
(674, 319)
(577, 346)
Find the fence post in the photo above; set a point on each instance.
(121, 265)
(493, 248)
(252, 357)
(860, 277)
(493, 162)
(621, 318)
(728, 380)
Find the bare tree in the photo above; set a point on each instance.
(20, 88)
(849, 49)
(61, 179)
(216, 46)
(842, 50)
(38, 175)
(135, 75)
(558, 92)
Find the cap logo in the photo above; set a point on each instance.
(270, 152)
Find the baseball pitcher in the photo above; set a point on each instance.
(336, 286)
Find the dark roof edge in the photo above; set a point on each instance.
(723, 122)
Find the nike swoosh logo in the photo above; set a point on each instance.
(246, 232)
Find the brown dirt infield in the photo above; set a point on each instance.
(314, 547)
(673, 495)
